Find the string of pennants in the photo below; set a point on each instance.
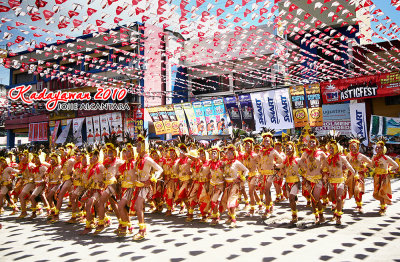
(195, 20)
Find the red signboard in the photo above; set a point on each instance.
(380, 85)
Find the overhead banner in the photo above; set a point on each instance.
(191, 117)
(116, 125)
(162, 112)
(246, 108)
(35, 132)
(89, 130)
(232, 107)
(201, 124)
(139, 119)
(385, 126)
(180, 115)
(300, 115)
(96, 128)
(314, 104)
(55, 131)
(359, 121)
(104, 126)
(284, 108)
(64, 134)
(379, 85)
(222, 119)
(260, 120)
(77, 130)
(336, 117)
(208, 108)
(157, 121)
(173, 120)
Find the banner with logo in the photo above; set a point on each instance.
(336, 117)
(157, 120)
(77, 130)
(379, 85)
(209, 115)
(201, 123)
(116, 125)
(385, 126)
(35, 132)
(284, 108)
(173, 120)
(30, 135)
(233, 111)
(300, 115)
(222, 119)
(257, 100)
(162, 112)
(314, 104)
(139, 119)
(96, 128)
(246, 107)
(180, 115)
(359, 121)
(64, 134)
(89, 130)
(104, 126)
(191, 117)
(271, 110)
(55, 131)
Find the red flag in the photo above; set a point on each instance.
(237, 20)
(40, 3)
(219, 11)
(14, 3)
(117, 20)
(247, 12)
(323, 9)
(145, 18)
(36, 35)
(274, 8)
(139, 10)
(91, 11)
(349, 14)
(160, 11)
(229, 3)
(310, 1)
(19, 39)
(306, 16)
(35, 18)
(4, 8)
(76, 22)
(293, 7)
(263, 11)
(10, 28)
(161, 19)
(318, 23)
(99, 22)
(199, 2)
(19, 23)
(161, 2)
(59, 2)
(135, 2)
(245, 2)
(72, 13)
(119, 10)
(334, 17)
(47, 14)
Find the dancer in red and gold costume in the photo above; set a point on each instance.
(80, 179)
(127, 177)
(67, 164)
(25, 168)
(216, 183)
(250, 161)
(336, 163)
(290, 171)
(198, 194)
(234, 173)
(172, 180)
(312, 161)
(39, 174)
(54, 180)
(144, 167)
(111, 165)
(278, 181)
(95, 178)
(268, 160)
(355, 181)
(383, 165)
(7, 173)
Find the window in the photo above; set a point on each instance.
(210, 84)
(392, 100)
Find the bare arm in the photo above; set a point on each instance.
(156, 167)
(347, 164)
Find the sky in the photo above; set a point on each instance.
(110, 10)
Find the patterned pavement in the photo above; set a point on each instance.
(366, 237)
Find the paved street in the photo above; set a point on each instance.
(367, 237)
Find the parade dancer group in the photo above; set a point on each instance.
(194, 177)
